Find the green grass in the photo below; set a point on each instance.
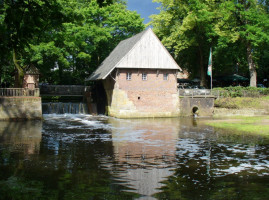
(254, 125)
(243, 102)
(266, 97)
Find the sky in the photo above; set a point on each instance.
(143, 7)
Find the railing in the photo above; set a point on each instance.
(194, 93)
(63, 90)
(19, 92)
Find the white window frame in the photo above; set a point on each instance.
(165, 76)
(144, 76)
(128, 76)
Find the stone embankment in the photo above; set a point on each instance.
(20, 108)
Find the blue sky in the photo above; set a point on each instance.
(143, 7)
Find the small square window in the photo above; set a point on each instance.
(144, 77)
(128, 76)
(165, 77)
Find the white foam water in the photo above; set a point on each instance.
(64, 107)
(76, 127)
(73, 121)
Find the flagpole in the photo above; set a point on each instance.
(211, 69)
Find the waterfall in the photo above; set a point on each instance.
(64, 107)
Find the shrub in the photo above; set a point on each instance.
(241, 91)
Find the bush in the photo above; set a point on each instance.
(225, 103)
(242, 103)
(240, 91)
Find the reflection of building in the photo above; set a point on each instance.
(21, 136)
(145, 148)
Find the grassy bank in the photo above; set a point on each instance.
(243, 103)
(253, 125)
(242, 124)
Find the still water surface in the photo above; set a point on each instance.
(97, 157)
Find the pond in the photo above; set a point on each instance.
(97, 157)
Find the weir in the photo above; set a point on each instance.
(64, 108)
(22, 104)
(70, 99)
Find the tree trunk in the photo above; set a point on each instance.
(251, 66)
(202, 69)
(18, 71)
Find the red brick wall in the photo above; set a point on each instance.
(153, 95)
(30, 79)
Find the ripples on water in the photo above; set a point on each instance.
(97, 157)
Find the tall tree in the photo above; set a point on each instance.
(233, 26)
(187, 26)
(250, 21)
(252, 25)
(22, 21)
(66, 39)
(84, 40)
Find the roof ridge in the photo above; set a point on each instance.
(116, 56)
(126, 48)
(167, 52)
(135, 44)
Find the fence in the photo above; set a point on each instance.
(195, 93)
(19, 92)
(63, 90)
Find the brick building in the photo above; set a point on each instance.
(31, 77)
(140, 79)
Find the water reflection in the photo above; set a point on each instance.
(96, 157)
(145, 150)
(214, 164)
(21, 136)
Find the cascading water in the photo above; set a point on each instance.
(64, 107)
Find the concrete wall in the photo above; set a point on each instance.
(135, 98)
(20, 108)
(200, 105)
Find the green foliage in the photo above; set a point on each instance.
(21, 22)
(237, 31)
(187, 29)
(249, 20)
(18, 189)
(65, 39)
(242, 91)
(85, 39)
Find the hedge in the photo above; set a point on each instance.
(240, 91)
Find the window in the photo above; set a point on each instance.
(128, 76)
(144, 76)
(165, 77)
